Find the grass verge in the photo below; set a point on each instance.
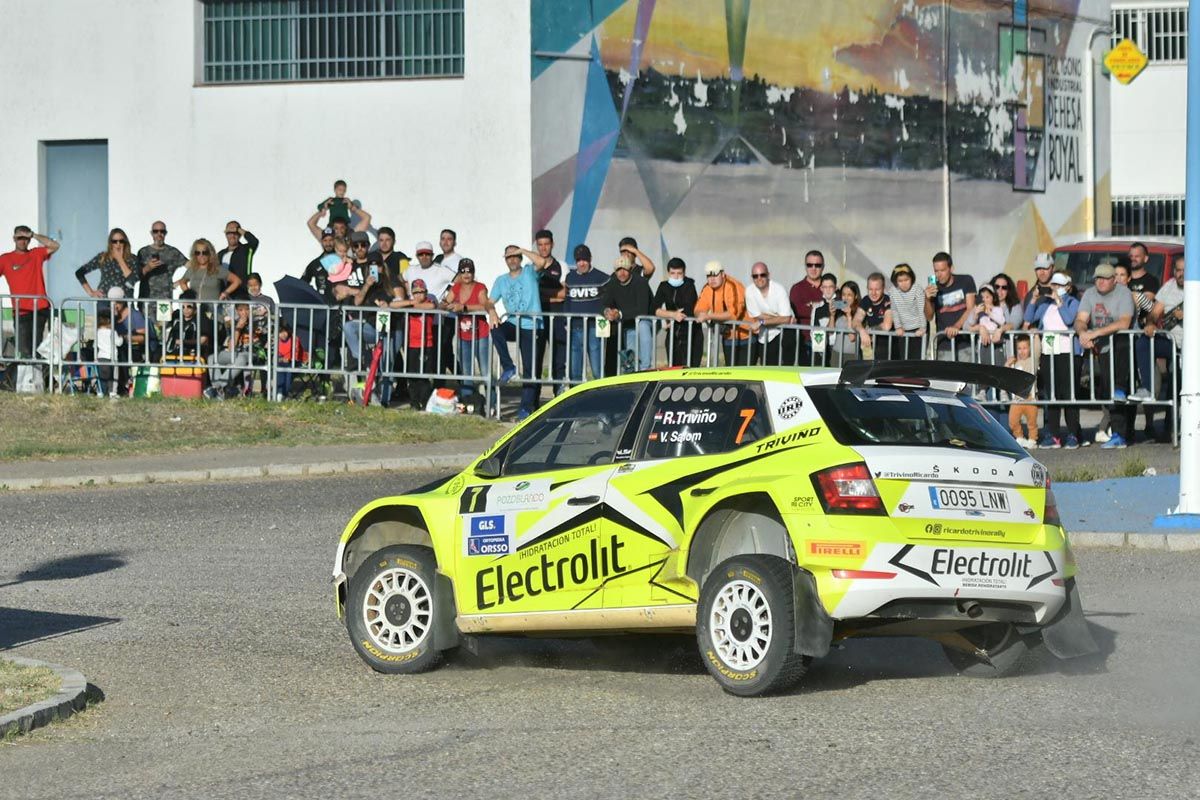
(52, 426)
(22, 686)
(1131, 467)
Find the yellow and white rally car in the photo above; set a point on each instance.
(771, 511)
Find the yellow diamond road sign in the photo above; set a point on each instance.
(1125, 61)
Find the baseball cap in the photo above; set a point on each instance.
(583, 252)
(1104, 271)
(713, 268)
(424, 247)
(465, 265)
(623, 262)
(418, 284)
(1059, 279)
(116, 293)
(1043, 261)
(360, 237)
(327, 232)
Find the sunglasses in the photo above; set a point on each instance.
(118, 241)
(22, 238)
(419, 291)
(811, 265)
(759, 275)
(359, 244)
(231, 233)
(201, 253)
(467, 271)
(158, 230)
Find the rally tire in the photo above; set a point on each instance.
(746, 626)
(391, 610)
(1006, 650)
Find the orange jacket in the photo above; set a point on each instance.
(730, 298)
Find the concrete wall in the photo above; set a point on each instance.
(420, 154)
(1149, 132)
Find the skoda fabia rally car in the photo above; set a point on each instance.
(771, 511)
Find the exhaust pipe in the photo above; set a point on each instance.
(971, 608)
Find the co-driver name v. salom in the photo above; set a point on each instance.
(771, 511)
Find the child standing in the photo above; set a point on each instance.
(107, 343)
(338, 206)
(1026, 411)
(290, 355)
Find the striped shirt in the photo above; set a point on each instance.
(908, 308)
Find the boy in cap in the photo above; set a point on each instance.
(625, 298)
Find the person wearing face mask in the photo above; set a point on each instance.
(675, 302)
(1054, 315)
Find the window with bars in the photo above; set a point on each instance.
(252, 41)
(1160, 33)
(1147, 216)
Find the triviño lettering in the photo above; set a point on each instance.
(780, 441)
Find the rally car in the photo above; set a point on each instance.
(771, 511)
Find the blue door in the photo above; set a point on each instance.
(74, 209)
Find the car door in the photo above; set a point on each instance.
(535, 538)
(686, 441)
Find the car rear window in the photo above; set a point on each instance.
(910, 417)
(1081, 264)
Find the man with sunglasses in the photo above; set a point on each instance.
(24, 270)
(805, 295)
(158, 262)
(237, 257)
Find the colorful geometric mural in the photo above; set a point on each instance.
(877, 131)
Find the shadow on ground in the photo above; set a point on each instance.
(24, 625)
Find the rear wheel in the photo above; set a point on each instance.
(391, 608)
(1000, 650)
(746, 628)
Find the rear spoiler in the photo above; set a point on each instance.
(1013, 381)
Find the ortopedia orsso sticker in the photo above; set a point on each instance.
(487, 535)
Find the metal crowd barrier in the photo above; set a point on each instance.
(26, 357)
(426, 349)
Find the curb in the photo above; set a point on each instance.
(1173, 542)
(411, 463)
(72, 697)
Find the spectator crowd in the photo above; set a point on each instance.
(432, 321)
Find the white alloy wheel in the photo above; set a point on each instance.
(397, 610)
(740, 625)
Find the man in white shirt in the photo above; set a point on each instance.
(448, 257)
(767, 307)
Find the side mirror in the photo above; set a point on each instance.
(488, 468)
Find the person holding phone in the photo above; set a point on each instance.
(953, 299)
(158, 262)
(1043, 269)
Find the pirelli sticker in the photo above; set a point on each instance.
(836, 549)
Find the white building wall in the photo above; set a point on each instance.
(1149, 132)
(420, 154)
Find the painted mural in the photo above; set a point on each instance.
(877, 131)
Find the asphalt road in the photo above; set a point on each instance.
(204, 614)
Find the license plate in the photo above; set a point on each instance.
(956, 498)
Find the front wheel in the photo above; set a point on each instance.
(391, 608)
(746, 627)
(999, 651)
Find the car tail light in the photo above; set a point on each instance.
(1050, 516)
(862, 574)
(848, 489)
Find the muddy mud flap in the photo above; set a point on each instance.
(814, 626)
(445, 629)
(1067, 635)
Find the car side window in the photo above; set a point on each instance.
(693, 419)
(578, 432)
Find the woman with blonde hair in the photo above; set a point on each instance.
(206, 276)
(117, 264)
